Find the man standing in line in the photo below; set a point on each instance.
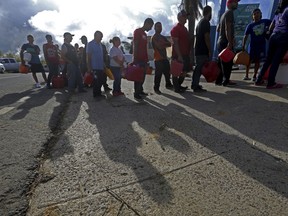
(69, 55)
(35, 63)
(226, 40)
(140, 54)
(203, 51)
(96, 63)
(83, 64)
(162, 66)
(181, 49)
(257, 47)
(52, 59)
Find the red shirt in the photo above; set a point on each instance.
(180, 31)
(141, 37)
(51, 53)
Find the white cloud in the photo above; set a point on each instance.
(110, 16)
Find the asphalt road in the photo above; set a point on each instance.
(222, 152)
(28, 120)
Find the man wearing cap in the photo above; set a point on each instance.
(181, 49)
(226, 40)
(35, 63)
(69, 55)
(52, 59)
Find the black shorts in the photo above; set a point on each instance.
(35, 68)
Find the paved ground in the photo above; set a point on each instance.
(223, 152)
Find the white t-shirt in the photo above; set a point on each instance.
(115, 51)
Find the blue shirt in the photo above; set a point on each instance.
(96, 51)
(257, 32)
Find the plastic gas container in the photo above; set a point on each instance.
(226, 55)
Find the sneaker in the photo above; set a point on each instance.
(179, 91)
(199, 89)
(246, 78)
(254, 79)
(106, 89)
(157, 91)
(169, 86)
(137, 97)
(184, 88)
(275, 86)
(37, 85)
(117, 93)
(143, 94)
(230, 83)
(259, 83)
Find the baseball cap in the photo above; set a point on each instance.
(67, 33)
(83, 37)
(182, 13)
(231, 1)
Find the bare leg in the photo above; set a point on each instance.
(247, 70)
(256, 68)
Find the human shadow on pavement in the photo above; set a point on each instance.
(34, 99)
(249, 115)
(122, 125)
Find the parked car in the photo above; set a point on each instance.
(10, 64)
(2, 68)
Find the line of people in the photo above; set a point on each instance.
(94, 56)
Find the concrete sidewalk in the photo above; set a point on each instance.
(222, 152)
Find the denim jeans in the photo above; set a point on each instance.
(74, 77)
(161, 67)
(99, 80)
(200, 61)
(117, 78)
(278, 45)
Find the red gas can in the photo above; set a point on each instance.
(210, 71)
(88, 78)
(176, 68)
(134, 73)
(226, 55)
(58, 81)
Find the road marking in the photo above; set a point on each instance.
(23, 99)
(5, 110)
